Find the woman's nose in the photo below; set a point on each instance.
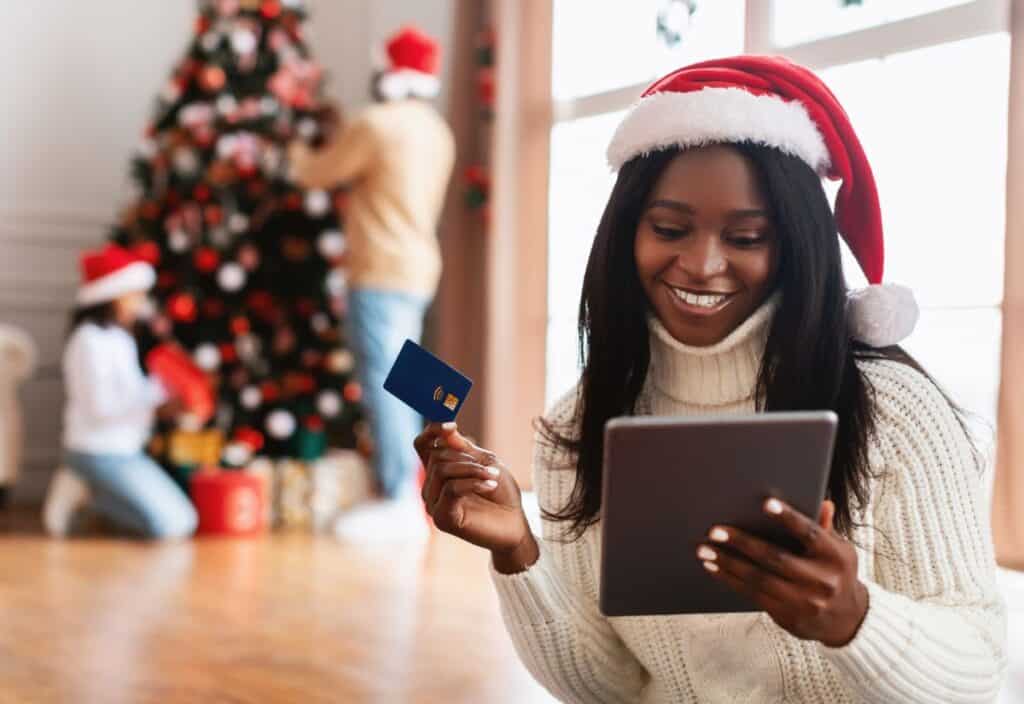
(702, 257)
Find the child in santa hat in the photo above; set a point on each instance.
(110, 407)
(715, 286)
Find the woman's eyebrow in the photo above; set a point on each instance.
(676, 205)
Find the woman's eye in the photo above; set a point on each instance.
(747, 240)
(670, 233)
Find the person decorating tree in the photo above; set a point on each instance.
(396, 158)
(715, 287)
(110, 409)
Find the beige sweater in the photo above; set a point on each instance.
(935, 628)
(397, 157)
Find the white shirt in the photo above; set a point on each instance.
(110, 401)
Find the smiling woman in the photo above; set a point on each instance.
(705, 250)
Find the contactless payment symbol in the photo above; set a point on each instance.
(451, 401)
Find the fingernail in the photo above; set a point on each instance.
(489, 484)
(706, 553)
(710, 566)
(719, 535)
(773, 506)
(493, 471)
(449, 426)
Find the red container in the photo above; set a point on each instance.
(183, 379)
(229, 503)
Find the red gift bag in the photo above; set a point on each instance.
(183, 379)
(229, 503)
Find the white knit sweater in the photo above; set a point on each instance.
(935, 627)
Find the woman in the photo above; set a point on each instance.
(714, 286)
(108, 415)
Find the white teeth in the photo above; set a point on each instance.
(696, 300)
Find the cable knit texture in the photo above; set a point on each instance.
(935, 627)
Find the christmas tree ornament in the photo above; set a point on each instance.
(320, 322)
(250, 437)
(353, 392)
(328, 403)
(238, 223)
(214, 215)
(210, 42)
(220, 237)
(196, 114)
(269, 106)
(148, 252)
(207, 357)
(240, 325)
(284, 341)
(228, 355)
(231, 277)
(341, 361)
(206, 259)
(244, 41)
(250, 397)
(227, 105)
(186, 162)
(182, 308)
(202, 194)
(280, 424)
(212, 78)
(271, 392)
(307, 128)
(336, 284)
(248, 347)
(249, 257)
(270, 9)
(331, 244)
(236, 455)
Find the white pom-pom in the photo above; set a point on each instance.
(331, 244)
(281, 424)
(882, 315)
(251, 397)
(317, 203)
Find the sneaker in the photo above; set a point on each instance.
(66, 495)
(400, 520)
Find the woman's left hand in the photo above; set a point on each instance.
(814, 596)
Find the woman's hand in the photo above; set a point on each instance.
(814, 596)
(472, 495)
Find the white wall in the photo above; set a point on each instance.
(77, 80)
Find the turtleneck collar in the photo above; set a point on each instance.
(718, 375)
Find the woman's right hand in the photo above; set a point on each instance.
(472, 495)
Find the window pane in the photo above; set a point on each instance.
(601, 46)
(940, 164)
(961, 349)
(579, 187)
(798, 21)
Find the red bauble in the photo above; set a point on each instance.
(213, 308)
(353, 392)
(201, 193)
(212, 79)
(270, 9)
(228, 354)
(148, 252)
(250, 437)
(249, 257)
(269, 391)
(182, 307)
(206, 259)
(314, 423)
(240, 325)
(214, 215)
(293, 201)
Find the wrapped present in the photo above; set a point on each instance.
(194, 449)
(184, 380)
(229, 503)
(263, 469)
(295, 491)
(341, 479)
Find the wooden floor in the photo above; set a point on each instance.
(282, 619)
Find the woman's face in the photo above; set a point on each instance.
(129, 308)
(706, 247)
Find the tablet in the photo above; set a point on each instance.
(668, 480)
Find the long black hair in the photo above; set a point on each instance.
(101, 314)
(613, 333)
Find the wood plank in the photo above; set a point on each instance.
(289, 618)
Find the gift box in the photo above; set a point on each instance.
(194, 449)
(341, 479)
(183, 379)
(229, 503)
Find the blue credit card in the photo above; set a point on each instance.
(428, 385)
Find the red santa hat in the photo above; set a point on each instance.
(414, 65)
(774, 102)
(112, 272)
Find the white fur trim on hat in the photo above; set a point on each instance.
(882, 315)
(715, 116)
(137, 276)
(403, 83)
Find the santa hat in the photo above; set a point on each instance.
(774, 102)
(414, 63)
(112, 272)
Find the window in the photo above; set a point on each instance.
(939, 156)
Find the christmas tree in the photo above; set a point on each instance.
(250, 268)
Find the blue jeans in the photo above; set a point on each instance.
(379, 322)
(135, 493)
